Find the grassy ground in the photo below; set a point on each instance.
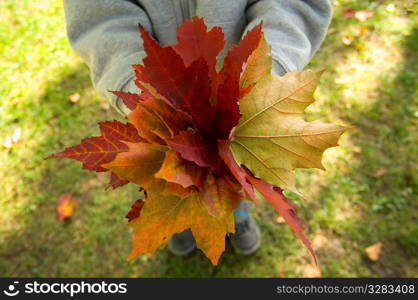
(368, 194)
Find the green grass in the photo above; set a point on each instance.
(372, 87)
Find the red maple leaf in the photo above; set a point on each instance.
(95, 151)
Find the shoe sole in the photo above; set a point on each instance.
(251, 250)
(177, 252)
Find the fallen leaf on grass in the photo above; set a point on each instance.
(12, 139)
(319, 240)
(16, 135)
(105, 106)
(373, 251)
(363, 30)
(361, 15)
(349, 13)
(74, 98)
(357, 149)
(379, 173)
(280, 220)
(66, 206)
(347, 39)
(8, 142)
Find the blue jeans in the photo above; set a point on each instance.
(242, 211)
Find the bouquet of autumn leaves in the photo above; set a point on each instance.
(199, 139)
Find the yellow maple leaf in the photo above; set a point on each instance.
(66, 206)
(167, 215)
(272, 138)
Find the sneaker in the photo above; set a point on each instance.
(182, 244)
(246, 239)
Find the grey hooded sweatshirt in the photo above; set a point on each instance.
(105, 32)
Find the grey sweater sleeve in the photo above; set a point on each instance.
(107, 39)
(105, 34)
(294, 28)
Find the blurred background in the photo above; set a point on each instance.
(361, 214)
